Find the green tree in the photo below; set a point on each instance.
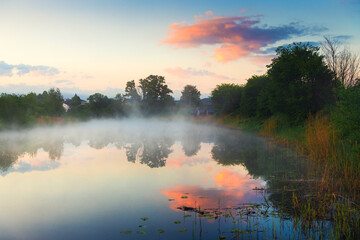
(99, 105)
(156, 96)
(251, 93)
(75, 101)
(119, 106)
(51, 102)
(13, 109)
(190, 96)
(300, 82)
(132, 92)
(226, 98)
(346, 115)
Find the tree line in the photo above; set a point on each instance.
(300, 81)
(150, 97)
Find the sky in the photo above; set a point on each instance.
(89, 46)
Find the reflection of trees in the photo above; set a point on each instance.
(10, 151)
(191, 142)
(261, 158)
(234, 149)
(132, 151)
(7, 159)
(152, 151)
(54, 147)
(155, 153)
(148, 141)
(280, 167)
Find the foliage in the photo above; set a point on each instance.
(99, 105)
(190, 96)
(250, 102)
(75, 101)
(132, 92)
(300, 82)
(346, 116)
(24, 109)
(119, 106)
(51, 102)
(226, 98)
(156, 96)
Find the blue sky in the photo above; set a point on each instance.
(97, 46)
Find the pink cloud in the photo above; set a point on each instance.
(234, 37)
(230, 51)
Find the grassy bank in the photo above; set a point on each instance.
(336, 196)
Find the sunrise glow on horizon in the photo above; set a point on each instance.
(93, 46)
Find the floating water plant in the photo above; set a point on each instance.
(177, 222)
(182, 230)
(141, 232)
(126, 232)
(144, 218)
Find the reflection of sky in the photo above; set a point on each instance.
(94, 192)
(90, 185)
(231, 185)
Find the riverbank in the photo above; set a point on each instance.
(337, 193)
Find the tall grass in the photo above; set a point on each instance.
(320, 139)
(335, 193)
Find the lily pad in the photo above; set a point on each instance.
(144, 218)
(177, 222)
(126, 232)
(160, 231)
(182, 230)
(141, 232)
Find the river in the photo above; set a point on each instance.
(147, 179)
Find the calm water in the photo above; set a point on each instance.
(98, 179)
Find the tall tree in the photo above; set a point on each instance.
(300, 82)
(226, 98)
(155, 94)
(99, 104)
(75, 101)
(252, 90)
(190, 96)
(344, 63)
(132, 92)
(119, 104)
(51, 102)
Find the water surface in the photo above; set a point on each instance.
(96, 180)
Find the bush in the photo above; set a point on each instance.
(346, 116)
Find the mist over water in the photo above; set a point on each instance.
(95, 179)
